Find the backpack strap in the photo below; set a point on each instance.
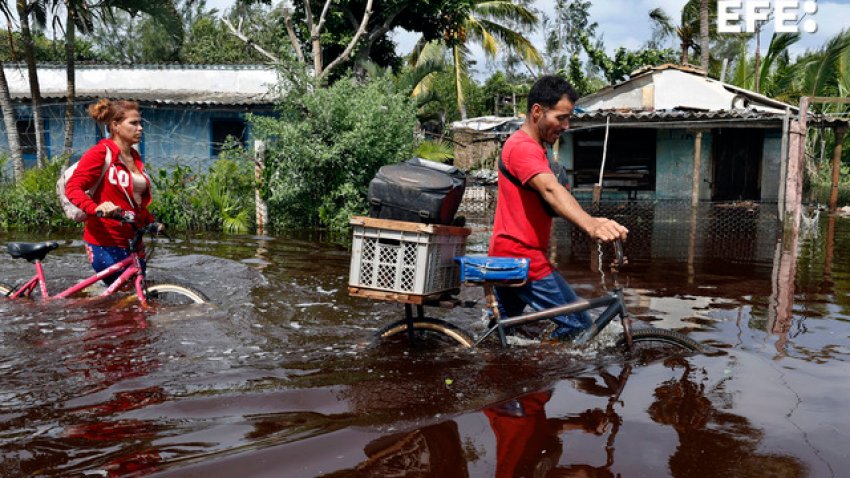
(107, 162)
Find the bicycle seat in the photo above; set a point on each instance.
(31, 251)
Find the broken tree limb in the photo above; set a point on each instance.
(238, 33)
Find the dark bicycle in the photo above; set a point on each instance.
(417, 327)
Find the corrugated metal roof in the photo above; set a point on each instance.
(487, 123)
(679, 116)
(675, 115)
(158, 84)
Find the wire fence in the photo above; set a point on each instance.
(745, 231)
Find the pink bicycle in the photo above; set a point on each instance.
(147, 292)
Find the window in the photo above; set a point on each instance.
(629, 163)
(224, 128)
(26, 136)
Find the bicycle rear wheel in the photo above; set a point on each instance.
(171, 293)
(5, 289)
(426, 332)
(654, 340)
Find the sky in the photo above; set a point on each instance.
(626, 23)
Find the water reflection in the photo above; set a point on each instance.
(712, 440)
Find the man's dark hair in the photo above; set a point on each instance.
(548, 91)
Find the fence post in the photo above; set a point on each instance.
(697, 162)
(261, 206)
(836, 168)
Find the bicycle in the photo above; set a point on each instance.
(420, 328)
(147, 292)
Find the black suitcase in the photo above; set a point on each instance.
(417, 191)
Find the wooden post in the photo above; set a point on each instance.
(597, 188)
(796, 163)
(840, 131)
(697, 161)
(261, 206)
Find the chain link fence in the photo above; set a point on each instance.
(734, 231)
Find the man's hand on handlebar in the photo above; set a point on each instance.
(607, 230)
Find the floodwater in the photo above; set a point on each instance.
(279, 377)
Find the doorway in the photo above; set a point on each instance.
(737, 164)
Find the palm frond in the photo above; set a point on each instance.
(778, 45)
(822, 70)
(514, 40)
(505, 10)
(663, 21)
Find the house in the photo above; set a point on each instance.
(674, 133)
(187, 110)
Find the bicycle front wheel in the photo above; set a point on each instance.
(652, 339)
(5, 289)
(170, 293)
(426, 332)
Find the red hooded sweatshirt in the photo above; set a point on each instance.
(116, 187)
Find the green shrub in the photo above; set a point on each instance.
(327, 145)
(220, 200)
(32, 203)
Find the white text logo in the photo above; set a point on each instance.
(786, 15)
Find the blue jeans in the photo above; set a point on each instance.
(550, 291)
(101, 257)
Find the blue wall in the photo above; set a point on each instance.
(172, 135)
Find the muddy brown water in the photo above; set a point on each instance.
(279, 377)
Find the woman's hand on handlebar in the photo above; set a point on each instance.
(108, 209)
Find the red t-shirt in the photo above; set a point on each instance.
(522, 227)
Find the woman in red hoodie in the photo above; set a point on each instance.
(122, 184)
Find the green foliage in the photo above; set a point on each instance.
(435, 151)
(45, 48)
(327, 145)
(208, 42)
(625, 61)
(32, 204)
(221, 199)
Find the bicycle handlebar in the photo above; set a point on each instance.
(619, 258)
(129, 217)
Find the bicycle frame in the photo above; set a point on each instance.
(614, 306)
(131, 266)
(613, 303)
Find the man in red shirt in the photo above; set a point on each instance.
(522, 225)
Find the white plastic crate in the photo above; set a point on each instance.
(405, 257)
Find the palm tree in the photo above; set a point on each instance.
(776, 74)
(82, 14)
(11, 125)
(689, 26)
(480, 22)
(703, 34)
(24, 9)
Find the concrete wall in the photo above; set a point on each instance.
(674, 165)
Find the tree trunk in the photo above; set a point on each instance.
(461, 106)
(684, 59)
(703, 34)
(11, 125)
(71, 94)
(35, 91)
(757, 74)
